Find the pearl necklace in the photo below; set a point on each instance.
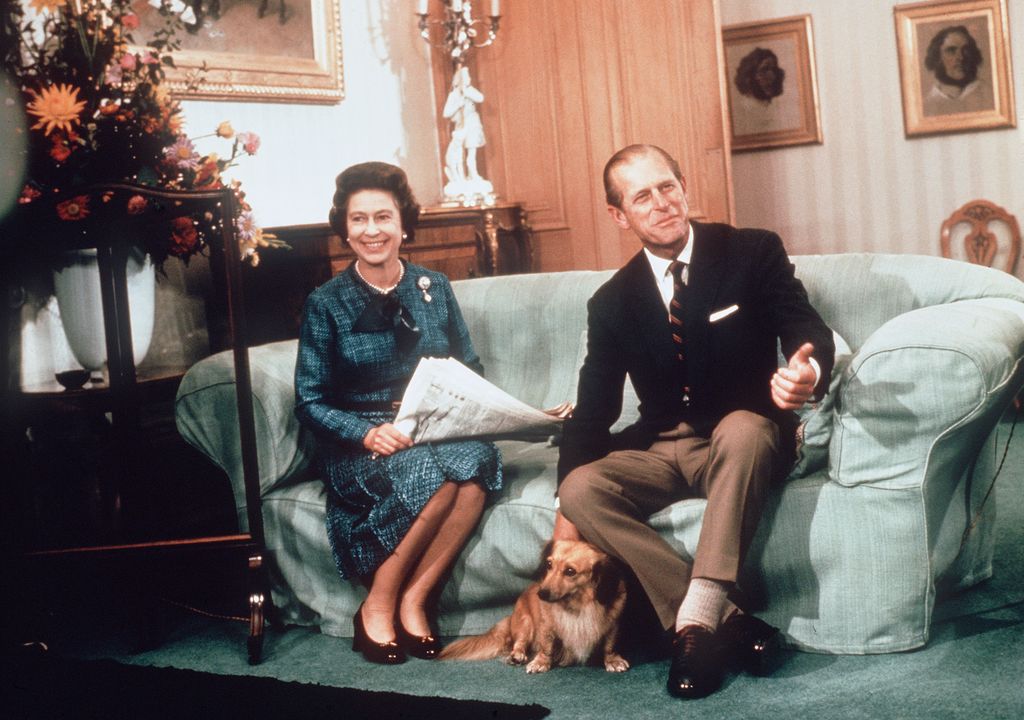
(383, 290)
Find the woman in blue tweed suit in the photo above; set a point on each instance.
(398, 514)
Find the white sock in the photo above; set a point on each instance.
(703, 605)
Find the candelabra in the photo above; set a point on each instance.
(457, 33)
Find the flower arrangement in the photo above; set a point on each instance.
(98, 111)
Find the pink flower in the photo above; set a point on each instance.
(182, 154)
(130, 21)
(249, 141)
(248, 231)
(114, 74)
(128, 62)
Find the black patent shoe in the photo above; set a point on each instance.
(696, 669)
(424, 647)
(752, 644)
(386, 653)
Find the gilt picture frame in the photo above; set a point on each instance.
(955, 66)
(772, 86)
(255, 50)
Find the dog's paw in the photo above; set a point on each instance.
(615, 663)
(516, 657)
(538, 666)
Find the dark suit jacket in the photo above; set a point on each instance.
(729, 362)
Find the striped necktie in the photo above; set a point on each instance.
(675, 319)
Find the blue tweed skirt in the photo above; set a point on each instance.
(372, 503)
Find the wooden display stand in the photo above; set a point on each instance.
(119, 406)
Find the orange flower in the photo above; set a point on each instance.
(184, 238)
(77, 208)
(51, 5)
(57, 108)
(136, 204)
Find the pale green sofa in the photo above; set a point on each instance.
(849, 558)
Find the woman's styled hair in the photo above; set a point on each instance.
(374, 176)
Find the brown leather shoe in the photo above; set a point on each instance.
(696, 669)
(751, 644)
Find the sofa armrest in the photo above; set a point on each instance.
(207, 416)
(926, 380)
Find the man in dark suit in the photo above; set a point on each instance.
(716, 416)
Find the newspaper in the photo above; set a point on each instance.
(445, 400)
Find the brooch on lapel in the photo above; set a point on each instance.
(424, 284)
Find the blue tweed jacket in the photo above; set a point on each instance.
(338, 366)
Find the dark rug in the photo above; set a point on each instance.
(38, 684)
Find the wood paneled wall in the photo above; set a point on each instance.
(568, 83)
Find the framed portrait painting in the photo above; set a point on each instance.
(955, 68)
(772, 87)
(268, 50)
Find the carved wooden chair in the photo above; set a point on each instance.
(992, 238)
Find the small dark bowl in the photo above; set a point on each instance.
(72, 379)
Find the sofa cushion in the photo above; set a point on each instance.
(919, 379)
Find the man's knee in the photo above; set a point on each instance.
(742, 428)
(574, 491)
(581, 491)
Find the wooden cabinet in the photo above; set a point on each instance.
(461, 242)
(100, 472)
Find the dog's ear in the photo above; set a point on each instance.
(606, 576)
(542, 567)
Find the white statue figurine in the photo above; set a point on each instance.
(464, 181)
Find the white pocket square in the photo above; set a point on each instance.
(724, 312)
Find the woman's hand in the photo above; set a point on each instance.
(386, 439)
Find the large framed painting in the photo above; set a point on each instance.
(773, 90)
(955, 68)
(269, 50)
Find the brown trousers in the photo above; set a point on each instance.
(610, 500)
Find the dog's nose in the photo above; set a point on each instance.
(544, 594)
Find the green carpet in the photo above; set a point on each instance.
(971, 668)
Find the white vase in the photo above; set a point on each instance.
(77, 287)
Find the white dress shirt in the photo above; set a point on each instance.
(662, 274)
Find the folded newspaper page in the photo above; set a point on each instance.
(445, 400)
